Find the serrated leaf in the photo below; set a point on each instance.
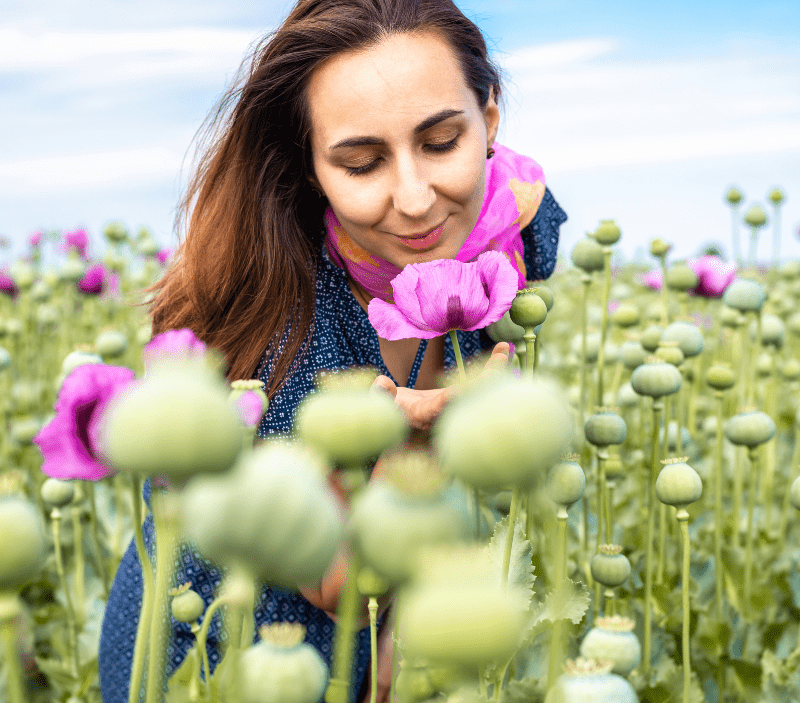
(528, 690)
(570, 602)
(520, 568)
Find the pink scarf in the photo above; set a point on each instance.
(514, 191)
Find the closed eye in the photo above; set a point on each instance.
(434, 147)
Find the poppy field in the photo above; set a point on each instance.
(613, 516)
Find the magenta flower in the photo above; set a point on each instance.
(250, 407)
(433, 298)
(7, 284)
(164, 255)
(77, 239)
(69, 442)
(173, 345)
(35, 240)
(93, 281)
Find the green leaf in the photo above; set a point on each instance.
(747, 677)
(528, 690)
(520, 569)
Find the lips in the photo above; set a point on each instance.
(426, 241)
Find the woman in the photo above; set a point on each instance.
(360, 141)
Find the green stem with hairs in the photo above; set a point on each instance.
(586, 280)
(664, 298)
(683, 519)
(530, 350)
(557, 639)
(208, 616)
(15, 681)
(787, 496)
(373, 647)
(457, 351)
(395, 651)
(512, 521)
(79, 561)
(72, 628)
(601, 355)
(101, 565)
(751, 502)
(718, 507)
(146, 613)
(658, 405)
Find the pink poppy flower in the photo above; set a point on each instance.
(35, 240)
(714, 276)
(77, 239)
(69, 442)
(433, 298)
(164, 255)
(173, 345)
(7, 284)
(93, 281)
(250, 408)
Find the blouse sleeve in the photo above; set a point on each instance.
(540, 238)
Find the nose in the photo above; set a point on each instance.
(413, 194)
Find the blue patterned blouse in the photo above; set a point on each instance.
(342, 338)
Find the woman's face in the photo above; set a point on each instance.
(399, 147)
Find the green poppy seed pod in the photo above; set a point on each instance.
(23, 274)
(370, 583)
(24, 547)
(659, 248)
(764, 365)
(504, 432)
(613, 467)
(274, 512)
(148, 246)
(413, 684)
(528, 309)
(609, 566)
(730, 317)
(756, 216)
(587, 254)
(24, 429)
(745, 295)
(5, 358)
(390, 528)
(544, 293)
(144, 334)
(41, 292)
(773, 331)
(688, 336)
(790, 370)
(463, 623)
(73, 269)
(626, 315)
(591, 681)
(678, 484)
(608, 233)
(115, 232)
(111, 344)
(78, 358)
(14, 327)
(175, 423)
(612, 639)
(565, 483)
(749, 428)
(504, 330)
(605, 428)
(57, 493)
(47, 316)
(350, 425)
(592, 346)
(670, 352)
(281, 668)
(776, 196)
(187, 606)
(795, 493)
(656, 379)
(627, 397)
(633, 354)
(734, 196)
(651, 338)
(720, 377)
(681, 278)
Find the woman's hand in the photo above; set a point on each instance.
(421, 408)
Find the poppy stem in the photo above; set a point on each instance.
(457, 351)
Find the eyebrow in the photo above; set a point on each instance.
(421, 127)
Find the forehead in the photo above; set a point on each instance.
(393, 85)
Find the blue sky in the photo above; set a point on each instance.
(644, 112)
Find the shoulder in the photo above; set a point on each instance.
(540, 238)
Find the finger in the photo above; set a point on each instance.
(499, 358)
(386, 384)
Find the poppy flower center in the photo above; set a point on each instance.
(83, 414)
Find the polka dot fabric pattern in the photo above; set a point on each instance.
(342, 338)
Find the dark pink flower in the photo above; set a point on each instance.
(35, 240)
(7, 284)
(433, 298)
(250, 407)
(164, 255)
(94, 280)
(173, 345)
(77, 239)
(713, 275)
(69, 442)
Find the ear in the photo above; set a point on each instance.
(491, 116)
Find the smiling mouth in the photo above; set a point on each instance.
(425, 241)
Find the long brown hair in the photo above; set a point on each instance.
(243, 278)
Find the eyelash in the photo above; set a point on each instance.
(436, 148)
